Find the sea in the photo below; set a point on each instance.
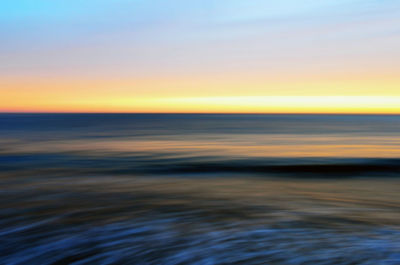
(199, 189)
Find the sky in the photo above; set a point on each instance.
(296, 56)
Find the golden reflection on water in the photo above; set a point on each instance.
(229, 145)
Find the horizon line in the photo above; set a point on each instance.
(206, 113)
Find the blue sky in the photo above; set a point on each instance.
(170, 26)
(182, 43)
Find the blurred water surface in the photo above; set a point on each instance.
(199, 189)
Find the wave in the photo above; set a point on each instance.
(167, 164)
(162, 242)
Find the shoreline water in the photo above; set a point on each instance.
(199, 189)
(141, 220)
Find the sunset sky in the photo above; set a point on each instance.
(295, 56)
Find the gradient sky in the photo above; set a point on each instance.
(200, 56)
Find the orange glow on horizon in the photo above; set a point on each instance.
(243, 94)
(273, 104)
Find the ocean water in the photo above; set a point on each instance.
(199, 189)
